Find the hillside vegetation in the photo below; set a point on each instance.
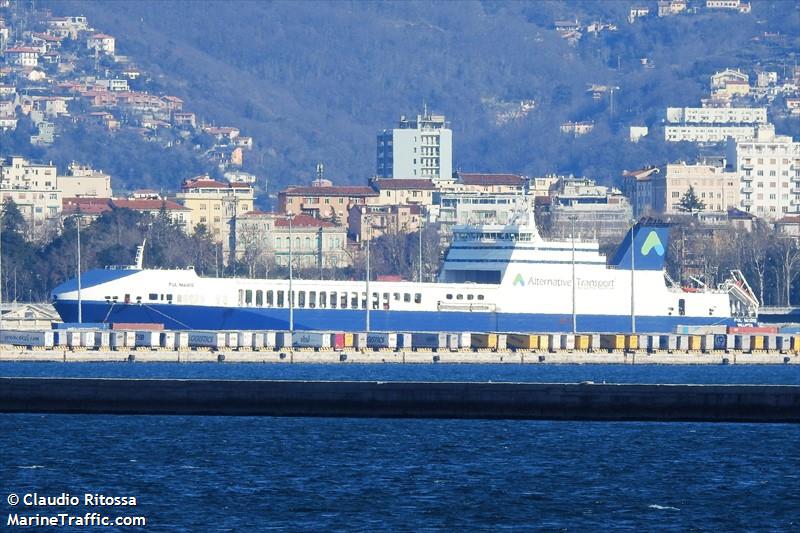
(315, 81)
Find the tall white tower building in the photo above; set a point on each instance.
(421, 148)
(769, 173)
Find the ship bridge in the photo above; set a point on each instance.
(483, 253)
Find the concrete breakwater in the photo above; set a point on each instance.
(554, 401)
(352, 356)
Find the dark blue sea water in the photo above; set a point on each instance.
(260, 474)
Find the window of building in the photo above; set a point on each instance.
(334, 300)
(152, 296)
(417, 298)
(407, 297)
(270, 300)
(280, 298)
(259, 298)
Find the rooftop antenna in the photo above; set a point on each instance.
(320, 172)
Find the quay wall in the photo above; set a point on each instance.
(297, 356)
(553, 401)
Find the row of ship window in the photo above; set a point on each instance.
(315, 299)
(324, 300)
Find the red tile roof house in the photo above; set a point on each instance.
(405, 191)
(327, 202)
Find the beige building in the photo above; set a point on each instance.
(84, 182)
(769, 172)
(33, 187)
(216, 206)
(367, 222)
(404, 191)
(327, 202)
(264, 238)
(713, 185)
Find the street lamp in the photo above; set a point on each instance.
(420, 247)
(633, 277)
(369, 238)
(290, 217)
(572, 219)
(80, 301)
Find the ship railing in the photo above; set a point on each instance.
(469, 307)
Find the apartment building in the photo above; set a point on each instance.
(33, 187)
(327, 202)
(421, 148)
(768, 168)
(316, 243)
(216, 205)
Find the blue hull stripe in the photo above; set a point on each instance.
(234, 318)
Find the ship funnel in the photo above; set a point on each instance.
(140, 255)
(650, 241)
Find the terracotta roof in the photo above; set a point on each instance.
(303, 221)
(173, 99)
(148, 204)
(101, 36)
(404, 184)
(87, 206)
(333, 190)
(788, 219)
(258, 213)
(491, 179)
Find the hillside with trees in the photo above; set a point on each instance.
(315, 81)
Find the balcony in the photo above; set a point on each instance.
(747, 202)
(747, 178)
(747, 190)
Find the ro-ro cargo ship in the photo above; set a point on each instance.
(494, 278)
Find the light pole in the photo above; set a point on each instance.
(572, 219)
(421, 225)
(80, 301)
(633, 277)
(2, 221)
(369, 238)
(290, 217)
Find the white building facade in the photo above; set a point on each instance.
(769, 174)
(33, 187)
(421, 148)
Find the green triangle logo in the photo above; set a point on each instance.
(652, 242)
(519, 281)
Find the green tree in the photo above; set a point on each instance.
(690, 202)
